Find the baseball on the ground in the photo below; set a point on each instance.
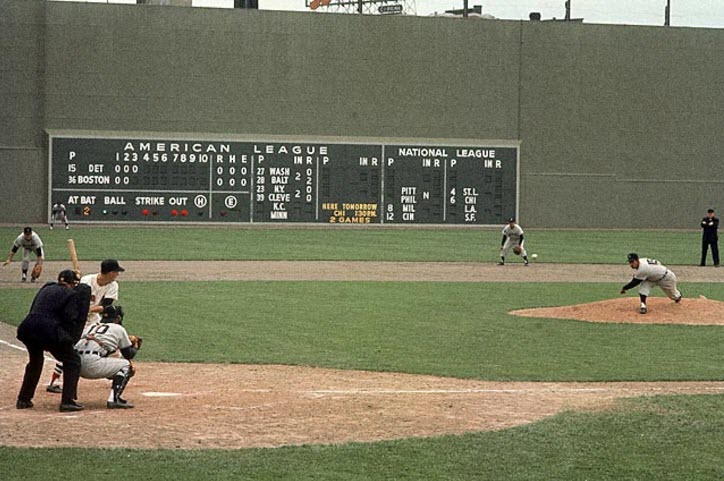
(534, 256)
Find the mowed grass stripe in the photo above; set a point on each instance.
(447, 329)
(365, 244)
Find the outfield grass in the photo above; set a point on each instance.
(675, 438)
(452, 245)
(449, 329)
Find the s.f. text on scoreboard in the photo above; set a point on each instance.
(110, 177)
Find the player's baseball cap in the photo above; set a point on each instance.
(68, 276)
(27, 230)
(512, 219)
(633, 257)
(110, 265)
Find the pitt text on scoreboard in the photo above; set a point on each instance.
(128, 179)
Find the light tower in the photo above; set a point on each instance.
(370, 7)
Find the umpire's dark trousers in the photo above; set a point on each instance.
(705, 243)
(64, 353)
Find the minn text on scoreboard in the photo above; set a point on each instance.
(169, 180)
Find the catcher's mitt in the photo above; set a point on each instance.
(37, 270)
(517, 250)
(136, 341)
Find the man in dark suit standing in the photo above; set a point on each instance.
(54, 324)
(710, 237)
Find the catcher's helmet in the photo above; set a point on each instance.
(633, 257)
(113, 314)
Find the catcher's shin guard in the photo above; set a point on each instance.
(120, 380)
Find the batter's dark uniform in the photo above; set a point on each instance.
(710, 237)
(54, 324)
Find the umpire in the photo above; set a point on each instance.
(710, 237)
(55, 324)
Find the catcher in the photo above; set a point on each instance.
(512, 237)
(99, 341)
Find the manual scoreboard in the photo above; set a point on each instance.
(110, 178)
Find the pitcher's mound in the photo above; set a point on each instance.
(701, 311)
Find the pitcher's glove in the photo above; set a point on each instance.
(37, 270)
(136, 341)
(517, 250)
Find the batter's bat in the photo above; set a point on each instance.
(73, 256)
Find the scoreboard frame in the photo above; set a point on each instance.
(439, 145)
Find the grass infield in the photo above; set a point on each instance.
(460, 329)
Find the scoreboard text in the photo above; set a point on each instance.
(108, 179)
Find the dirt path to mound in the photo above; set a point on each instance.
(233, 406)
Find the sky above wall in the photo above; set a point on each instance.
(684, 13)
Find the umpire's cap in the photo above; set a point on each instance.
(633, 257)
(69, 277)
(111, 313)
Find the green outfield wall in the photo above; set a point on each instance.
(619, 126)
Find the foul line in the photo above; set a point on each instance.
(21, 348)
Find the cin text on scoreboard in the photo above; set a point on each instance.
(110, 178)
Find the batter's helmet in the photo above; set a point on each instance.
(113, 314)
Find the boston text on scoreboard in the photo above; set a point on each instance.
(168, 178)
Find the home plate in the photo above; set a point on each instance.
(160, 394)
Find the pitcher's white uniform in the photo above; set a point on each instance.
(98, 293)
(107, 338)
(513, 236)
(652, 273)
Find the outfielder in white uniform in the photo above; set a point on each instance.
(101, 339)
(58, 213)
(650, 273)
(512, 236)
(104, 291)
(30, 242)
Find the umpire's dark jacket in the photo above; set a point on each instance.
(710, 227)
(57, 315)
